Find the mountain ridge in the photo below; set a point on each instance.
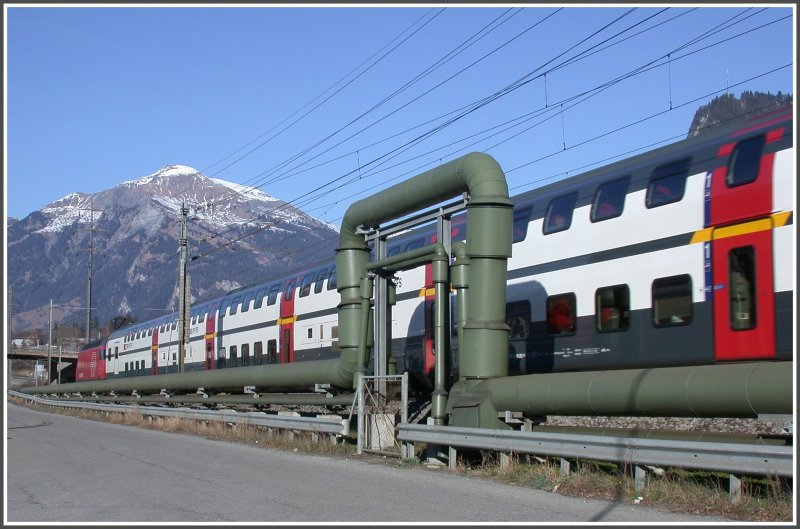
(237, 234)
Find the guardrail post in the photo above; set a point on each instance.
(452, 457)
(639, 477)
(734, 489)
(564, 468)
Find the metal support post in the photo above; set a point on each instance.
(50, 342)
(360, 424)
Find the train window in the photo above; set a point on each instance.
(332, 279)
(559, 213)
(258, 352)
(259, 300)
(521, 218)
(221, 357)
(672, 301)
(234, 356)
(335, 338)
(116, 353)
(246, 354)
(272, 351)
(613, 308)
(320, 280)
(150, 332)
(273, 294)
(518, 318)
(223, 307)
(667, 183)
(742, 291)
(609, 200)
(561, 314)
(246, 301)
(305, 285)
(174, 325)
(289, 290)
(310, 333)
(745, 161)
(235, 304)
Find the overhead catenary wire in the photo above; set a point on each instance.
(361, 166)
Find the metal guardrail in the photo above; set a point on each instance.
(735, 458)
(322, 425)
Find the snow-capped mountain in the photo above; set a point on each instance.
(237, 235)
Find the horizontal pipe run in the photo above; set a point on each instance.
(296, 375)
(411, 256)
(721, 390)
(284, 399)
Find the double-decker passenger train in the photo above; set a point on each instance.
(679, 256)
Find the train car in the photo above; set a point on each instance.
(91, 363)
(679, 256)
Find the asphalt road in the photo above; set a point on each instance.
(64, 469)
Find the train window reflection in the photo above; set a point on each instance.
(305, 285)
(612, 308)
(744, 162)
(742, 291)
(559, 213)
(320, 280)
(667, 183)
(521, 218)
(609, 200)
(561, 314)
(672, 301)
(273, 294)
(518, 319)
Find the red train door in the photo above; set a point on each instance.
(209, 339)
(286, 324)
(154, 351)
(743, 292)
(429, 300)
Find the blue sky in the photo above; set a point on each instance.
(293, 98)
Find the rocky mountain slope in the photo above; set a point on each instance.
(237, 236)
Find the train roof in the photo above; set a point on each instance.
(705, 140)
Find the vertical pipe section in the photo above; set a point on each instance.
(439, 398)
(458, 279)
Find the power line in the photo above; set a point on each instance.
(708, 33)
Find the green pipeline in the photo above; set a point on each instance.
(489, 217)
(722, 390)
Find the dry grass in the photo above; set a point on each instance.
(701, 493)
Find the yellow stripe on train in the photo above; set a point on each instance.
(776, 220)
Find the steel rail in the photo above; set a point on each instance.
(734, 458)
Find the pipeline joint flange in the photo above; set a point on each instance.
(164, 393)
(201, 391)
(250, 390)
